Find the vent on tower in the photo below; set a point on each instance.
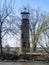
(25, 14)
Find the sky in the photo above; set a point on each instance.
(35, 4)
(42, 4)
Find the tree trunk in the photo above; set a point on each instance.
(1, 45)
(0, 39)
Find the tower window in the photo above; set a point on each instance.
(23, 35)
(24, 44)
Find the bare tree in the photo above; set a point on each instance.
(6, 10)
(44, 42)
(38, 25)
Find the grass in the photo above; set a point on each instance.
(40, 57)
(29, 53)
(10, 52)
(33, 53)
(37, 53)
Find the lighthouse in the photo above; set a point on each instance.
(25, 44)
